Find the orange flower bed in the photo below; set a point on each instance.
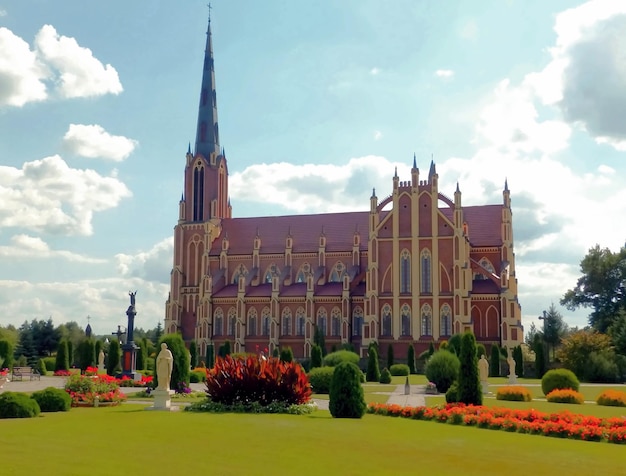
(565, 395)
(561, 425)
(612, 398)
(514, 393)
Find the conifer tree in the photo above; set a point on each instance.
(411, 359)
(519, 360)
(62, 361)
(113, 359)
(494, 362)
(316, 356)
(286, 354)
(373, 370)
(390, 358)
(193, 354)
(210, 356)
(469, 391)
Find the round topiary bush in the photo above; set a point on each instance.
(442, 369)
(197, 376)
(320, 379)
(452, 395)
(558, 379)
(399, 370)
(385, 376)
(17, 405)
(346, 393)
(53, 399)
(335, 358)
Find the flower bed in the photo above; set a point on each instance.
(86, 390)
(514, 393)
(612, 398)
(562, 425)
(565, 395)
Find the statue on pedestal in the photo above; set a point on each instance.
(164, 366)
(511, 361)
(483, 370)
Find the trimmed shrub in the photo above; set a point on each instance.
(180, 372)
(320, 378)
(335, 358)
(53, 400)
(197, 376)
(514, 393)
(558, 379)
(602, 368)
(518, 356)
(243, 380)
(540, 359)
(494, 362)
(612, 398)
(316, 356)
(346, 394)
(50, 363)
(565, 395)
(113, 358)
(18, 405)
(210, 356)
(390, 357)
(442, 369)
(385, 376)
(62, 361)
(373, 371)
(193, 354)
(41, 367)
(410, 359)
(6, 353)
(452, 395)
(86, 353)
(454, 344)
(469, 381)
(399, 370)
(286, 354)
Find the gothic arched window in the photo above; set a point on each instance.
(218, 322)
(445, 323)
(335, 319)
(286, 322)
(427, 320)
(357, 322)
(405, 272)
(426, 272)
(406, 320)
(386, 320)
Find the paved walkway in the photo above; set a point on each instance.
(414, 399)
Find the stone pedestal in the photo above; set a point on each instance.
(484, 384)
(101, 369)
(162, 400)
(512, 379)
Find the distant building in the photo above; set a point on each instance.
(414, 269)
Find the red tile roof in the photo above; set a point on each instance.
(484, 223)
(305, 230)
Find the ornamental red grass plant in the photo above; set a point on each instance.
(612, 398)
(247, 379)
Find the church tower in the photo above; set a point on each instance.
(202, 207)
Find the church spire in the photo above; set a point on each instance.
(207, 133)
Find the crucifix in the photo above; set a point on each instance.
(119, 333)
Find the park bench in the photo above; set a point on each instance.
(20, 372)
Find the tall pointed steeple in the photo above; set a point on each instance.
(207, 133)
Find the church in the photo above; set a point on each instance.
(416, 268)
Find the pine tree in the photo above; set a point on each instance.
(494, 363)
(469, 391)
(411, 359)
(540, 360)
(373, 370)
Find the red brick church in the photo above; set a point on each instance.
(414, 269)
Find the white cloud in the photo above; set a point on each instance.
(104, 300)
(81, 74)
(48, 196)
(378, 135)
(154, 264)
(93, 141)
(444, 73)
(34, 248)
(586, 78)
(21, 75)
(374, 71)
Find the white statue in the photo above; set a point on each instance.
(483, 368)
(511, 361)
(101, 358)
(164, 366)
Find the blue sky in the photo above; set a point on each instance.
(318, 102)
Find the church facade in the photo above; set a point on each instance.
(416, 268)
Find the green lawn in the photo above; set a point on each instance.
(130, 440)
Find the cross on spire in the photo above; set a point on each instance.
(210, 8)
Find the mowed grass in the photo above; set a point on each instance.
(130, 440)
